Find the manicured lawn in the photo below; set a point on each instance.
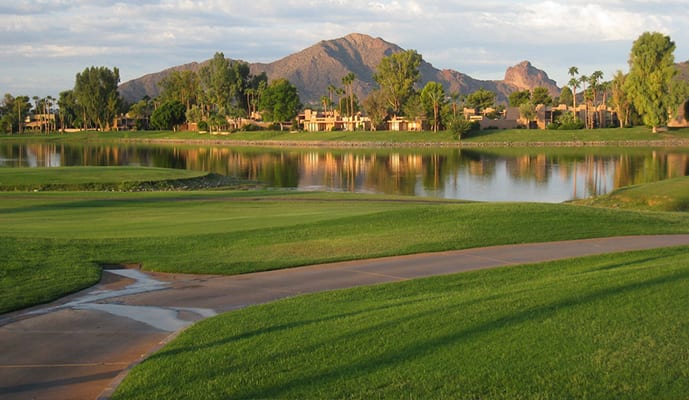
(604, 327)
(495, 137)
(78, 177)
(243, 231)
(668, 195)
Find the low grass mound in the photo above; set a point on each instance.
(108, 179)
(603, 327)
(234, 232)
(667, 195)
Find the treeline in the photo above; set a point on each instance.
(223, 92)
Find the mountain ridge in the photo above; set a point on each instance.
(323, 64)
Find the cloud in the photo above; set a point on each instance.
(481, 38)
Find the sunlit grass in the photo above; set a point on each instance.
(667, 195)
(240, 232)
(604, 327)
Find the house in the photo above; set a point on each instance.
(320, 121)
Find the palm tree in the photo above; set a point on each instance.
(574, 84)
(594, 84)
(347, 82)
(583, 80)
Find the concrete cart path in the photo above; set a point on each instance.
(81, 347)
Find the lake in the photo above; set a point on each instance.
(505, 174)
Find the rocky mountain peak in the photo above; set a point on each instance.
(525, 76)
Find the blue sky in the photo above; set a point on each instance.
(44, 43)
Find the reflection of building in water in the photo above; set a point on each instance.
(677, 165)
(529, 167)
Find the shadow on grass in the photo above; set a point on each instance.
(422, 348)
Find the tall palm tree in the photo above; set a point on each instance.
(574, 84)
(347, 82)
(583, 80)
(594, 84)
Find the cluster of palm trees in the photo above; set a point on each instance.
(347, 103)
(597, 88)
(43, 112)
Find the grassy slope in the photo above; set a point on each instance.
(668, 195)
(604, 327)
(11, 178)
(238, 232)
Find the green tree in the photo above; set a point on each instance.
(434, 98)
(13, 111)
(215, 80)
(168, 116)
(414, 108)
(280, 102)
(182, 86)
(68, 110)
(141, 111)
(481, 99)
(540, 95)
(574, 85)
(376, 108)
(348, 84)
(651, 69)
(566, 96)
(96, 93)
(396, 75)
(519, 97)
(528, 112)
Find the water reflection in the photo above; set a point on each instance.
(545, 175)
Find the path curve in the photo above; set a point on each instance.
(83, 345)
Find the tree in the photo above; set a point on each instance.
(96, 94)
(651, 69)
(528, 112)
(376, 108)
(215, 79)
(182, 86)
(142, 111)
(396, 75)
(13, 111)
(168, 115)
(280, 102)
(519, 97)
(481, 99)
(595, 87)
(433, 97)
(574, 85)
(68, 109)
(620, 98)
(413, 108)
(347, 83)
(566, 96)
(540, 95)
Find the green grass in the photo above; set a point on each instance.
(495, 137)
(668, 195)
(78, 177)
(604, 327)
(240, 232)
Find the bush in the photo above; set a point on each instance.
(203, 126)
(461, 127)
(567, 121)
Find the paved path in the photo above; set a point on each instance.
(81, 346)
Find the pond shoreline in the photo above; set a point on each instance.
(458, 144)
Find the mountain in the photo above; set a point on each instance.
(313, 69)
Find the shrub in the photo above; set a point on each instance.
(461, 127)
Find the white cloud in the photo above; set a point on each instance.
(481, 38)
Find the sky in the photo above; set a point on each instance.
(45, 43)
